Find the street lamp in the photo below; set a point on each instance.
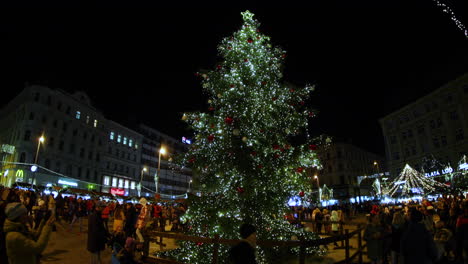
(162, 151)
(40, 140)
(141, 179)
(318, 186)
(378, 175)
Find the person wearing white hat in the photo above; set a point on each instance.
(142, 219)
(22, 245)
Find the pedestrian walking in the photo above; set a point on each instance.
(97, 234)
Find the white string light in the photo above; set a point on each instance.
(446, 9)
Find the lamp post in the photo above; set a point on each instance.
(378, 173)
(141, 179)
(162, 151)
(318, 186)
(39, 142)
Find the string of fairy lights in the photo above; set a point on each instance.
(446, 9)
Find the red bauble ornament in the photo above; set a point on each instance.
(228, 120)
(300, 170)
(258, 37)
(199, 243)
(246, 60)
(253, 153)
(260, 166)
(312, 147)
(283, 55)
(311, 114)
(249, 40)
(264, 83)
(302, 102)
(232, 85)
(287, 146)
(274, 98)
(212, 125)
(211, 109)
(262, 131)
(301, 194)
(291, 90)
(240, 189)
(219, 67)
(229, 48)
(211, 138)
(276, 146)
(192, 160)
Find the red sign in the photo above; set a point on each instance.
(117, 191)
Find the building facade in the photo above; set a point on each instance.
(74, 139)
(171, 181)
(433, 126)
(121, 160)
(82, 149)
(342, 164)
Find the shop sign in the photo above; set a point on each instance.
(438, 173)
(117, 191)
(64, 182)
(8, 149)
(19, 174)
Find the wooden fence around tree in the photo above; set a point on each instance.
(344, 236)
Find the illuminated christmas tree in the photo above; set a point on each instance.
(246, 154)
(411, 182)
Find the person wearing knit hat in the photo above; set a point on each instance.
(244, 251)
(21, 245)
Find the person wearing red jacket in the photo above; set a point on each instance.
(105, 216)
(157, 213)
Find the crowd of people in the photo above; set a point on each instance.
(27, 218)
(426, 231)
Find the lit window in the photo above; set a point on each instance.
(111, 136)
(78, 114)
(127, 182)
(119, 138)
(114, 182)
(130, 142)
(125, 141)
(87, 119)
(132, 185)
(121, 183)
(106, 180)
(95, 122)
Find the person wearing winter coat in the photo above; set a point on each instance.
(244, 251)
(119, 218)
(374, 234)
(130, 215)
(417, 244)
(97, 234)
(143, 218)
(22, 245)
(398, 226)
(334, 226)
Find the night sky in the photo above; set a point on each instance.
(137, 62)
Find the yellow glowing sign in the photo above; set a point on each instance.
(19, 174)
